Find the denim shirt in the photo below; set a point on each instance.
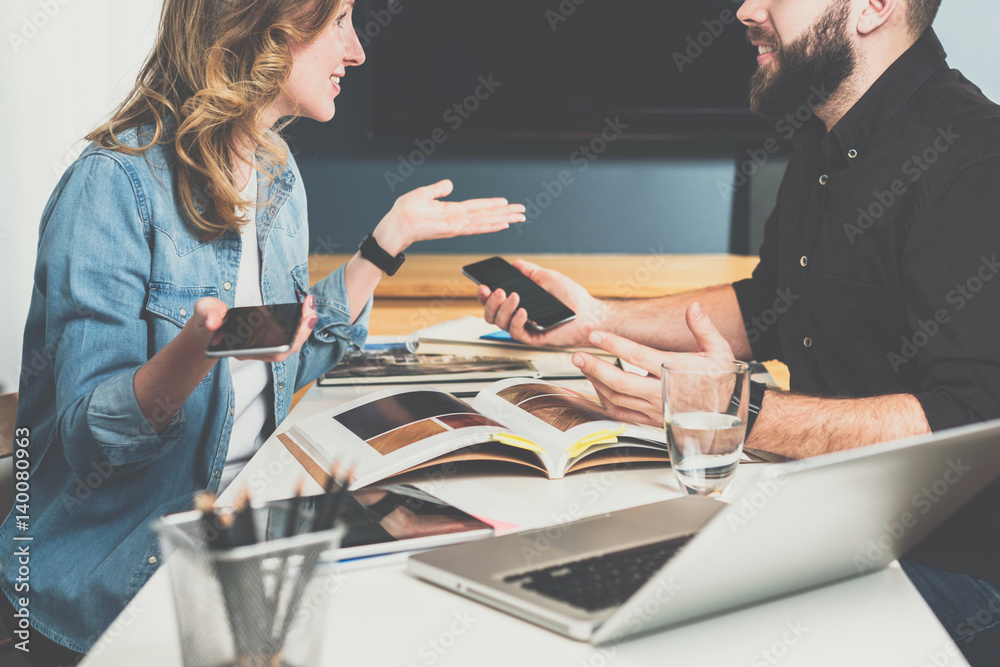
(117, 275)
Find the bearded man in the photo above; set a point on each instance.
(878, 278)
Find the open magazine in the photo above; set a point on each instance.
(543, 426)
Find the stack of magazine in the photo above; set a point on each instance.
(388, 367)
(467, 349)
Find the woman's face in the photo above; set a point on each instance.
(317, 69)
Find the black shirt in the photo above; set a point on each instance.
(880, 267)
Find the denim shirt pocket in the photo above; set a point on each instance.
(170, 307)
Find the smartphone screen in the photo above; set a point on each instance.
(258, 330)
(544, 310)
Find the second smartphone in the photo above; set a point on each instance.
(544, 310)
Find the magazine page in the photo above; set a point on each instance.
(568, 424)
(391, 431)
(573, 427)
(626, 452)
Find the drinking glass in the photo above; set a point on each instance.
(705, 404)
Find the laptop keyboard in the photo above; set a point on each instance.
(601, 582)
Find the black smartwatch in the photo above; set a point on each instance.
(373, 252)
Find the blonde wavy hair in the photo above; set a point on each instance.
(217, 66)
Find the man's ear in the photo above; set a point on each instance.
(876, 13)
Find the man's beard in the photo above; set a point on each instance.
(821, 59)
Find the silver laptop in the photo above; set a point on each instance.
(801, 524)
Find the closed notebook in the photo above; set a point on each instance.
(541, 427)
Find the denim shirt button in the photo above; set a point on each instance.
(152, 560)
(183, 312)
(218, 474)
(227, 286)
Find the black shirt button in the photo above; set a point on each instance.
(804, 261)
(823, 179)
(852, 153)
(807, 342)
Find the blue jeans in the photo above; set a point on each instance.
(969, 609)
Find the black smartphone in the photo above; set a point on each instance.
(544, 310)
(257, 330)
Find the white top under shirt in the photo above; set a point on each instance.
(251, 379)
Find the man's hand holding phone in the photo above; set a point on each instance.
(504, 309)
(212, 317)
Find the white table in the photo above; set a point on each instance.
(382, 616)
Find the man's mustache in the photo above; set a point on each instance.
(759, 34)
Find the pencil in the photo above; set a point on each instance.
(338, 500)
(307, 567)
(218, 536)
(324, 504)
(216, 531)
(275, 639)
(246, 532)
(292, 520)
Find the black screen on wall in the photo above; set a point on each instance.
(524, 68)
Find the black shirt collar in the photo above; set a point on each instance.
(878, 105)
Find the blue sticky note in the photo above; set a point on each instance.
(500, 336)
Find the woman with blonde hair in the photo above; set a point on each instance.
(186, 204)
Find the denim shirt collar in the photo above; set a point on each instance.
(272, 192)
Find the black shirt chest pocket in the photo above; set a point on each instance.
(168, 308)
(863, 324)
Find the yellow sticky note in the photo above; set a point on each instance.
(518, 441)
(605, 437)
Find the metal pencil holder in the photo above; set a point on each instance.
(248, 606)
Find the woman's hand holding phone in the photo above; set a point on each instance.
(503, 310)
(164, 382)
(210, 314)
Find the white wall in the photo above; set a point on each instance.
(66, 64)
(62, 70)
(967, 28)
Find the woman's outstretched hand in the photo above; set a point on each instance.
(420, 216)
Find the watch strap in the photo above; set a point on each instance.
(374, 253)
(755, 403)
